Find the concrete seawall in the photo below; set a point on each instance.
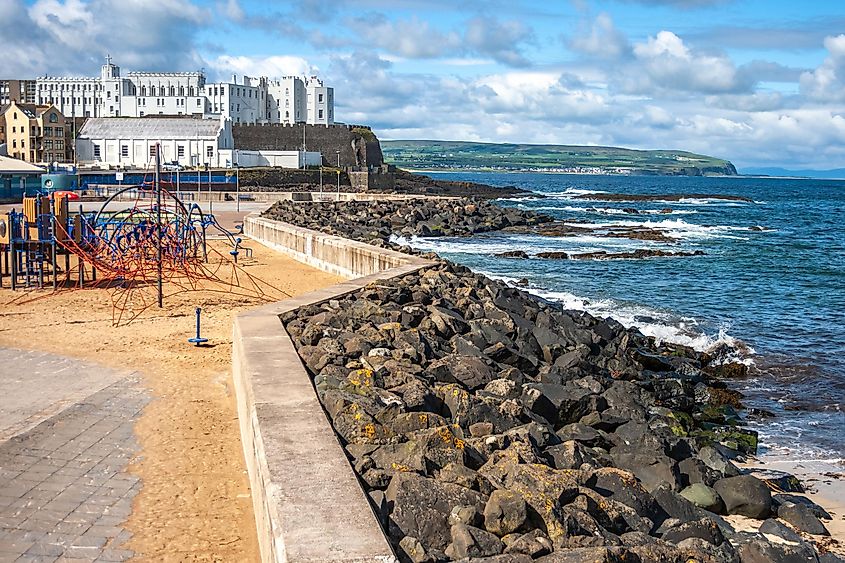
(309, 505)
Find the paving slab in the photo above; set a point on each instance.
(38, 385)
(65, 445)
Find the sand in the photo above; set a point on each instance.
(195, 504)
(824, 483)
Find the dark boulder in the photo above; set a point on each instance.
(803, 518)
(745, 495)
(703, 528)
(421, 508)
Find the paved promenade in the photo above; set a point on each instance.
(66, 438)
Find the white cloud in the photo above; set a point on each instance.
(273, 67)
(669, 64)
(498, 39)
(602, 40)
(410, 38)
(827, 82)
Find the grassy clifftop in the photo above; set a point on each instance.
(563, 158)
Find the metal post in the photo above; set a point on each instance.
(238, 187)
(178, 194)
(158, 220)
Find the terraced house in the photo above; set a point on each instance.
(35, 133)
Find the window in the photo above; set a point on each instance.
(199, 102)
(180, 151)
(320, 98)
(48, 131)
(60, 131)
(321, 114)
(209, 151)
(14, 144)
(54, 118)
(97, 152)
(124, 151)
(143, 90)
(142, 114)
(48, 145)
(60, 145)
(152, 150)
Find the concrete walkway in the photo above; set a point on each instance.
(66, 438)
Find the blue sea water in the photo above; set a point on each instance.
(771, 284)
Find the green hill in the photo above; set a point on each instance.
(432, 155)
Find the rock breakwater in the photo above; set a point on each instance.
(489, 425)
(376, 221)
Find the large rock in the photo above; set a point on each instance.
(504, 513)
(705, 529)
(803, 518)
(535, 544)
(421, 508)
(469, 371)
(745, 495)
(468, 541)
(703, 497)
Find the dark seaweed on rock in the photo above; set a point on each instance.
(488, 425)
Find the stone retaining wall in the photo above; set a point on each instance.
(309, 506)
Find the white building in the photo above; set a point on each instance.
(253, 100)
(320, 102)
(130, 143)
(287, 101)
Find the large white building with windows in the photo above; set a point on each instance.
(130, 143)
(290, 99)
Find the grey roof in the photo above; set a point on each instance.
(15, 166)
(148, 128)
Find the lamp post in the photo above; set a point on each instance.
(338, 175)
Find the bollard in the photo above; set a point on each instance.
(197, 340)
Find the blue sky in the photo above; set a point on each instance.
(759, 82)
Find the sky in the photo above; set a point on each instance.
(759, 82)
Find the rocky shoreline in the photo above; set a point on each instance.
(376, 222)
(488, 425)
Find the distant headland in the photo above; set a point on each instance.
(464, 155)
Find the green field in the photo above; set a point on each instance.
(432, 155)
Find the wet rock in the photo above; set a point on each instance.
(513, 254)
(745, 495)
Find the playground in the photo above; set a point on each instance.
(195, 496)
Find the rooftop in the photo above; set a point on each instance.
(14, 166)
(149, 127)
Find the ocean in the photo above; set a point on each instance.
(770, 285)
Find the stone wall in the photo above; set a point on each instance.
(356, 145)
